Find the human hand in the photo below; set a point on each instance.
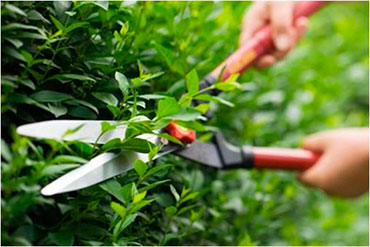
(343, 169)
(285, 33)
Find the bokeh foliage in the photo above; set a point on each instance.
(75, 49)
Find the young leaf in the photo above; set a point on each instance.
(119, 209)
(140, 167)
(139, 197)
(192, 82)
(106, 126)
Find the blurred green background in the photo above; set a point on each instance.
(322, 84)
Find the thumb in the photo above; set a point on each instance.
(316, 142)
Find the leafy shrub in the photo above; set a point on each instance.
(117, 60)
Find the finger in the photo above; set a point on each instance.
(282, 25)
(265, 61)
(254, 19)
(316, 142)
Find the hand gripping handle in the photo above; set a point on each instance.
(259, 45)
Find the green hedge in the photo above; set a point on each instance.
(84, 51)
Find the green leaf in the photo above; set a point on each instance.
(82, 112)
(227, 86)
(140, 167)
(27, 82)
(50, 96)
(112, 144)
(57, 23)
(126, 192)
(189, 197)
(5, 151)
(114, 110)
(185, 209)
(54, 170)
(152, 96)
(139, 197)
(167, 107)
(119, 209)
(15, 9)
(138, 145)
(140, 205)
(113, 187)
(57, 109)
(85, 103)
(102, 4)
(153, 185)
(122, 83)
(68, 159)
(107, 98)
(35, 15)
(68, 77)
(157, 168)
(28, 57)
(203, 108)
(170, 138)
(192, 82)
(16, 42)
(122, 225)
(73, 26)
(171, 211)
(188, 114)
(174, 193)
(65, 238)
(207, 97)
(106, 126)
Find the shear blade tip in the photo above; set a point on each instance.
(47, 192)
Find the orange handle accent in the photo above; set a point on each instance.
(284, 158)
(183, 134)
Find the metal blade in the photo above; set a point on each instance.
(82, 130)
(99, 169)
(203, 153)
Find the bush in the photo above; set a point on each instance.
(71, 60)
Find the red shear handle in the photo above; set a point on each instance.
(283, 158)
(260, 44)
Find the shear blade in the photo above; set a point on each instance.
(82, 130)
(99, 169)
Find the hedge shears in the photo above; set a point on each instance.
(217, 153)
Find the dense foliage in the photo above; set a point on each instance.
(117, 60)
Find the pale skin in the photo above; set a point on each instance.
(343, 169)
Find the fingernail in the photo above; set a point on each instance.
(282, 42)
